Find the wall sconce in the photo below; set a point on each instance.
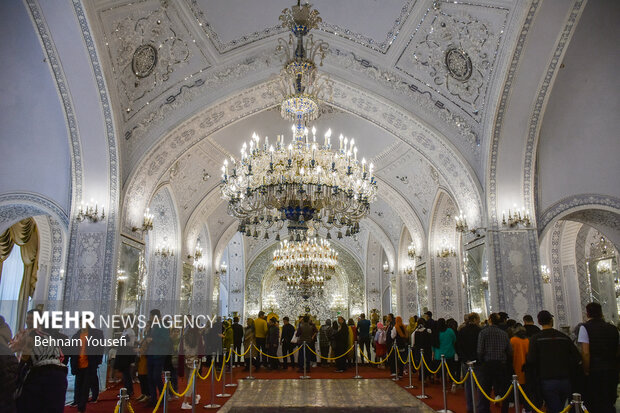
(338, 302)
(411, 251)
(223, 268)
(121, 276)
(198, 251)
(545, 273)
(408, 269)
(485, 280)
(445, 252)
(199, 265)
(62, 275)
(90, 212)
(461, 222)
(271, 303)
(386, 267)
(520, 216)
(164, 251)
(603, 266)
(147, 222)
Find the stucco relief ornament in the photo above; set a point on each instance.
(458, 51)
(144, 60)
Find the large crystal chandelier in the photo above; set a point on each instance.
(305, 266)
(306, 184)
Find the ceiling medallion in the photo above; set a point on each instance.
(144, 60)
(304, 184)
(458, 64)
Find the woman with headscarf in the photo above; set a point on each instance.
(379, 344)
(421, 340)
(341, 340)
(399, 335)
(447, 341)
(413, 323)
(192, 346)
(248, 343)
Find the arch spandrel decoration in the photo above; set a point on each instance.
(260, 267)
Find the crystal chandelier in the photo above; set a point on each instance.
(305, 266)
(305, 185)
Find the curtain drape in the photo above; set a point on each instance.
(25, 234)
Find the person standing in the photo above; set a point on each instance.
(530, 327)
(399, 335)
(599, 347)
(466, 348)
(125, 357)
(379, 344)
(273, 343)
(446, 342)
(551, 360)
(84, 363)
(495, 356)
(159, 345)
(237, 339)
(341, 340)
(192, 345)
(520, 345)
(260, 333)
(248, 343)
(8, 378)
(389, 342)
(305, 334)
(288, 331)
(363, 336)
(42, 377)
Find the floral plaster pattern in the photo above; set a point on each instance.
(576, 203)
(557, 275)
(374, 285)
(475, 32)
(446, 292)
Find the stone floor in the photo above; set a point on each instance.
(325, 395)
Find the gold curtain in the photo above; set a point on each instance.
(25, 234)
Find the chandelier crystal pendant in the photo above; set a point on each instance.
(305, 266)
(305, 185)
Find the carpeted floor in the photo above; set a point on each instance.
(107, 399)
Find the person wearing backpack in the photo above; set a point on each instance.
(379, 341)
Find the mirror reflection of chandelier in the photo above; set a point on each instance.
(305, 184)
(305, 266)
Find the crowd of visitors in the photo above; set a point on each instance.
(548, 364)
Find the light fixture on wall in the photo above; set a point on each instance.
(409, 268)
(338, 302)
(603, 267)
(446, 251)
(223, 268)
(516, 217)
(164, 251)
(121, 276)
(147, 222)
(545, 273)
(90, 211)
(461, 222)
(271, 303)
(304, 185)
(199, 265)
(386, 267)
(411, 252)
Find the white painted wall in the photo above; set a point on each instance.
(579, 139)
(34, 148)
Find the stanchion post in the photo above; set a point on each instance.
(231, 384)
(212, 405)
(515, 385)
(410, 356)
(357, 371)
(123, 397)
(249, 376)
(423, 395)
(194, 386)
(443, 386)
(394, 350)
(305, 376)
(470, 369)
(223, 376)
(166, 383)
(577, 403)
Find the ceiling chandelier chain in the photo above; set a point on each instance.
(304, 184)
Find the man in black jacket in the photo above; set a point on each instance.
(552, 359)
(599, 346)
(530, 328)
(288, 331)
(466, 348)
(389, 342)
(237, 339)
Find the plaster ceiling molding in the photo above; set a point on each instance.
(387, 219)
(436, 150)
(453, 51)
(150, 48)
(415, 178)
(256, 21)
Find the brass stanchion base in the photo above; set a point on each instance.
(212, 406)
(231, 385)
(357, 377)
(222, 395)
(445, 411)
(423, 396)
(413, 386)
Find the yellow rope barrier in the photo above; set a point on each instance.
(242, 354)
(221, 372)
(454, 380)
(161, 397)
(278, 357)
(401, 359)
(428, 368)
(416, 368)
(129, 408)
(566, 409)
(208, 372)
(189, 385)
(117, 407)
(487, 396)
(377, 362)
(333, 358)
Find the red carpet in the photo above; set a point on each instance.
(107, 399)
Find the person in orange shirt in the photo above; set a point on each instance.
(520, 345)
